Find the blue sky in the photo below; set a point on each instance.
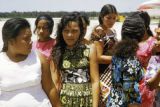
(67, 5)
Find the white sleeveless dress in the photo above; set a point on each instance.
(20, 83)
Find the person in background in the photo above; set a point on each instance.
(25, 79)
(153, 67)
(144, 53)
(127, 71)
(74, 65)
(104, 37)
(146, 46)
(43, 28)
(157, 30)
(153, 83)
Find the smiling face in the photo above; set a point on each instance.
(71, 33)
(109, 20)
(22, 43)
(42, 30)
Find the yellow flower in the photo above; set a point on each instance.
(66, 64)
(64, 100)
(86, 52)
(83, 62)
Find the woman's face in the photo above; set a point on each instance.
(109, 20)
(42, 30)
(71, 33)
(22, 44)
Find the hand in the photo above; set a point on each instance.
(157, 30)
(97, 33)
(156, 47)
(100, 31)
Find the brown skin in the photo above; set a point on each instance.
(47, 83)
(19, 49)
(134, 105)
(102, 59)
(154, 81)
(55, 76)
(43, 31)
(71, 34)
(94, 73)
(157, 30)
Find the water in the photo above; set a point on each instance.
(93, 23)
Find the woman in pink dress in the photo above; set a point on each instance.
(44, 27)
(144, 53)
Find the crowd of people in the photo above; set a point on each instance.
(72, 71)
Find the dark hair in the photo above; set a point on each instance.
(86, 18)
(145, 16)
(11, 29)
(133, 28)
(48, 18)
(126, 48)
(106, 9)
(58, 50)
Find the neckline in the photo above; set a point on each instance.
(8, 59)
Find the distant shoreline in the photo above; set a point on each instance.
(34, 14)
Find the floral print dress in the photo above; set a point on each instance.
(127, 72)
(76, 89)
(152, 69)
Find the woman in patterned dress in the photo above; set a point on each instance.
(127, 70)
(74, 65)
(43, 29)
(104, 37)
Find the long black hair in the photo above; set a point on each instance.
(11, 29)
(133, 28)
(145, 16)
(106, 9)
(60, 46)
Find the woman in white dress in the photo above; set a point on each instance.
(25, 79)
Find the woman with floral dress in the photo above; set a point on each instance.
(74, 65)
(126, 69)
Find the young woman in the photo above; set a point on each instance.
(146, 49)
(104, 37)
(25, 79)
(127, 70)
(44, 27)
(152, 69)
(76, 63)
